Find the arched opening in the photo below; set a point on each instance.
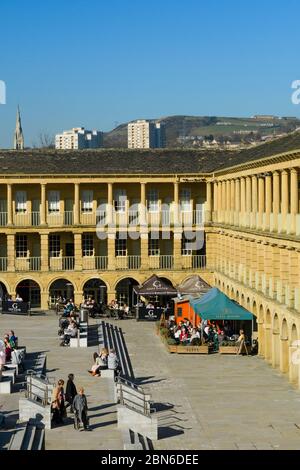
(243, 300)
(238, 297)
(3, 291)
(275, 342)
(30, 291)
(294, 355)
(232, 295)
(97, 289)
(61, 287)
(284, 353)
(261, 332)
(268, 335)
(125, 292)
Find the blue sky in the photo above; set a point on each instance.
(97, 62)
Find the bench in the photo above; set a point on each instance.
(36, 362)
(5, 384)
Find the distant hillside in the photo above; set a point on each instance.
(183, 131)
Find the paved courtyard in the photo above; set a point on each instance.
(204, 402)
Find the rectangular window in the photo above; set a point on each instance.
(87, 244)
(21, 246)
(153, 247)
(152, 200)
(54, 246)
(120, 200)
(179, 312)
(185, 247)
(87, 201)
(21, 201)
(53, 201)
(121, 246)
(185, 200)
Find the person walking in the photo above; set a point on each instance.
(80, 408)
(58, 403)
(71, 391)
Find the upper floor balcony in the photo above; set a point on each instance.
(105, 218)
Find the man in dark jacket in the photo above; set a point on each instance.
(80, 410)
(71, 391)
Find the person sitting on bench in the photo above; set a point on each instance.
(69, 308)
(70, 332)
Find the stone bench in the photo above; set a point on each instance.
(11, 374)
(5, 384)
(108, 373)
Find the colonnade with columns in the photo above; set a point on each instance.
(267, 201)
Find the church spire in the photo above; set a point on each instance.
(18, 136)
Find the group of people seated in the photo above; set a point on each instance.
(68, 328)
(105, 360)
(206, 332)
(9, 344)
(9, 298)
(118, 309)
(67, 307)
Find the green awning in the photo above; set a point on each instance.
(214, 305)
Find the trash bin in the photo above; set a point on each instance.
(84, 315)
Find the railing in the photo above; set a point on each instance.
(133, 397)
(161, 262)
(128, 262)
(39, 389)
(60, 218)
(90, 263)
(3, 264)
(63, 263)
(3, 219)
(88, 218)
(26, 219)
(195, 217)
(28, 264)
(194, 262)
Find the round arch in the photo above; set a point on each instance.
(30, 291)
(61, 287)
(3, 290)
(275, 342)
(284, 350)
(95, 288)
(268, 335)
(232, 293)
(125, 292)
(261, 330)
(294, 360)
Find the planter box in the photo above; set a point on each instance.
(233, 350)
(227, 349)
(204, 349)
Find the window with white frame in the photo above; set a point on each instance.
(53, 201)
(21, 201)
(120, 200)
(152, 200)
(153, 247)
(185, 200)
(185, 246)
(87, 200)
(87, 244)
(121, 246)
(21, 246)
(54, 246)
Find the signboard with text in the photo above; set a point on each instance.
(149, 314)
(17, 308)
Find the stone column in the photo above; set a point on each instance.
(293, 282)
(223, 201)
(227, 202)
(276, 200)
(9, 205)
(294, 199)
(144, 251)
(248, 200)
(243, 202)
(143, 209)
(284, 274)
(254, 202)
(261, 201)
(43, 204)
(177, 250)
(44, 240)
(215, 212)
(208, 215)
(110, 210)
(111, 250)
(11, 252)
(176, 203)
(259, 266)
(237, 202)
(284, 199)
(78, 251)
(268, 202)
(219, 201)
(76, 204)
(274, 282)
(232, 201)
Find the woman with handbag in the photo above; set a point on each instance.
(58, 403)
